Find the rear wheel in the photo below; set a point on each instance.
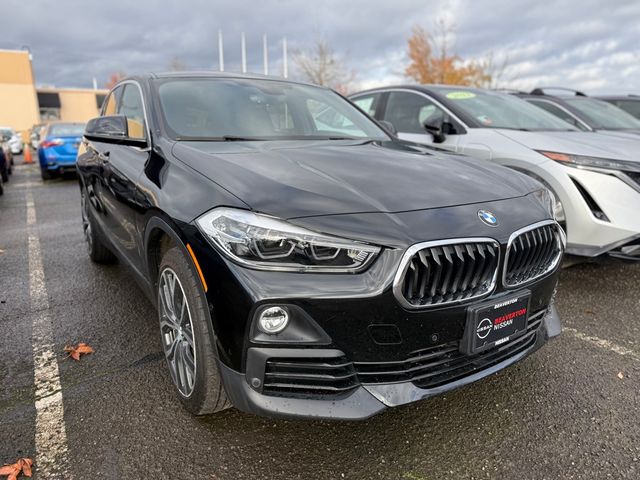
(5, 174)
(185, 332)
(96, 248)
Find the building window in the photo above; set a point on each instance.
(49, 103)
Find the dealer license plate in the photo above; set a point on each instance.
(495, 323)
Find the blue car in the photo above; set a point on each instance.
(58, 149)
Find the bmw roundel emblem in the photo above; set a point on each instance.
(488, 218)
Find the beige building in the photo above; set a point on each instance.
(18, 100)
(22, 105)
(69, 104)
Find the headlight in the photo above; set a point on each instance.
(593, 162)
(551, 203)
(267, 243)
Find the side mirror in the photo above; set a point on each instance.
(435, 131)
(389, 126)
(111, 129)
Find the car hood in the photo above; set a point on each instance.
(301, 178)
(578, 143)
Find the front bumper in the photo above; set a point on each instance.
(617, 196)
(370, 399)
(372, 349)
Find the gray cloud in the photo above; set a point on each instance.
(585, 44)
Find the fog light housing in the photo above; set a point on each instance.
(273, 320)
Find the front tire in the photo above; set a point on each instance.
(185, 333)
(46, 174)
(97, 250)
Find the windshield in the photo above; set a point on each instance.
(499, 110)
(603, 114)
(247, 109)
(66, 130)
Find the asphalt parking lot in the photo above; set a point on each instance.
(570, 411)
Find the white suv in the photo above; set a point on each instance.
(595, 178)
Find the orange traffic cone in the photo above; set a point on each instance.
(27, 155)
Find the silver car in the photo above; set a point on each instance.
(12, 139)
(595, 178)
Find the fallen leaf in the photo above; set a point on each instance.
(620, 375)
(12, 471)
(80, 349)
(1, 251)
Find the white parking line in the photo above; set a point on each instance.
(602, 343)
(51, 436)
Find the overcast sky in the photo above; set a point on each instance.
(586, 44)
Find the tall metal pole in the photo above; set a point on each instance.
(285, 66)
(243, 46)
(220, 51)
(265, 54)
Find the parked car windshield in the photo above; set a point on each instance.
(499, 110)
(603, 114)
(66, 130)
(248, 109)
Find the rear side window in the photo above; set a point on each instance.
(368, 103)
(131, 107)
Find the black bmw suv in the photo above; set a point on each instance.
(303, 261)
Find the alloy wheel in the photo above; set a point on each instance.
(176, 330)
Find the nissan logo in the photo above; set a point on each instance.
(484, 328)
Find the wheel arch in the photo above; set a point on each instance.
(161, 234)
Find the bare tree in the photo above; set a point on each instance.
(495, 69)
(321, 66)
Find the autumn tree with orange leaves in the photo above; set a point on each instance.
(433, 62)
(115, 78)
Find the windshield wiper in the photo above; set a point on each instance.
(236, 138)
(342, 138)
(224, 138)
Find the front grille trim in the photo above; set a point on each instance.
(560, 237)
(414, 249)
